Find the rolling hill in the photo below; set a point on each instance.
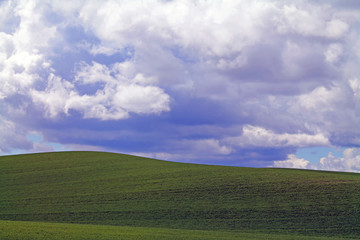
(139, 193)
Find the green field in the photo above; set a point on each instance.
(44, 231)
(150, 199)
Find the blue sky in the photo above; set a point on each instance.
(241, 83)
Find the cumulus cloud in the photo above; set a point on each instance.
(114, 99)
(331, 110)
(349, 162)
(204, 26)
(293, 162)
(206, 36)
(257, 136)
(21, 49)
(120, 95)
(311, 22)
(245, 79)
(55, 96)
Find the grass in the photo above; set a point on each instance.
(114, 189)
(45, 231)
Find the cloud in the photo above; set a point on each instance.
(12, 136)
(243, 82)
(331, 110)
(117, 97)
(293, 162)
(208, 146)
(203, 26)
(38, 147)
(333, 53)
(55, 96)
(17, 68)
(311, 22)
(260, 137)
(120, 95)
(21, 50)
(350, 162)
(354, 84)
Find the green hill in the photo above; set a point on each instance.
(114, 189)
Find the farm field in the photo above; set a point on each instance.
(106, 194)
(58, 231)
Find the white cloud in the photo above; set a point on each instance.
(21, 53)
(354, 83)
(17, 67)
(120, 94)
(311, 21)
(293, 162)
(333, 53)
(350, 161)
(33, 32)
(206, 31)
(55, 96)
(330, 109)
(320, 99)
(336, 28)
(205, 26)
(117, 97)
(260, 137)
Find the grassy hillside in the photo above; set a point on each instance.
(115, 189)
(15, 230)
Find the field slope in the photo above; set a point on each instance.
(114, 189)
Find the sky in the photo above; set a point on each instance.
(262, 83)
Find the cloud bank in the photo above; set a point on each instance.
(349, 162)
(225, 82)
